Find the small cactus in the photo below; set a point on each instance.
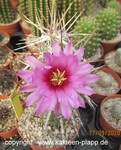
(7, 13)
(118, 57)
(33, 9)
(115, 5)
(109, 21)
(104, 80)
(88, 26)
(116, 110)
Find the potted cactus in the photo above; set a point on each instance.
(110, 22)
(110, 115)
(4, 38)
(57, 82)
(9, 20)
(113, 60)
(7, 118)
(108, 84)
(87, 29)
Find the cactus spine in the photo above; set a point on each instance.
(7, 13)
(88, 26)
(109, 21)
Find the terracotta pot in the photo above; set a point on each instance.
(62, 147)
(108, 46)
(10, 28)
(98, 98)
(103, 122)
(15, 3)
(119, 73)
(119, 1)
(25, 28)
(10, 133)
(6, 66)
(102, 53)
(6, 36)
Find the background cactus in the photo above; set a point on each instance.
(88, 26)
(104, 80)
(109, 21)
(114, 4)
(77, 7)
(91, 7)
(33, 9)
(7, 13)
(118, 57)
(116, 110)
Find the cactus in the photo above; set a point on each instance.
(77, 7)
(114, 4)
(32, 8)
(7, 13)
(116, 110)
(91, 7)
(109, 21)
(104, 80)
(118, 57)
(88, 25)
(104, 2)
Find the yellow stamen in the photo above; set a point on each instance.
(58, 77)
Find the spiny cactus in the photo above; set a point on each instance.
(118, 56)
(36, 8)
(114, 4)
(91, 7)
(116, 110)
(104, 2)
(7, 13)
(76, 7)
(88, 25)
(104, 80)
(109, 21)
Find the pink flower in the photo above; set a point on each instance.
(57, 83)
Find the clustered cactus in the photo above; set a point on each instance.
(109, 21)
(104, 81)
(115, 5)
(35, 10)
(118, 57)
(116, 110)
(7, 13)
(88, 26)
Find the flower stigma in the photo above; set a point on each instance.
(58, 77)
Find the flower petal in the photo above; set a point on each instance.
(80, 53)
(81, 102)
(27, 88)
(33, 62)
(56, 49)
(68, 49)
(26, 75)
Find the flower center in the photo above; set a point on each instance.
(58, 77)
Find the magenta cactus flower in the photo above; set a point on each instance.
(56, 83)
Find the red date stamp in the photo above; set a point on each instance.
(104, 133)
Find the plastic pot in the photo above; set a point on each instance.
(97, 98)
(103, 122)
(11, 133)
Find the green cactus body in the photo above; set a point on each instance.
(91, 7)
(88, 25)
(109, 21)
(115, 5)
(36, 8)
(7, 13)
(77, 7)
(116, 110)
